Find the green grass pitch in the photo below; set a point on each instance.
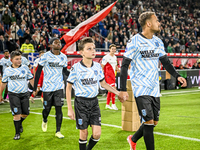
(178, 128)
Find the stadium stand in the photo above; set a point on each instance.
(180, 22)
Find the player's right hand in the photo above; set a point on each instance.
(71, 114)
(123, 96)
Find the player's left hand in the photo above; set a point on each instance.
(1, 99)
(34, 93)
(183, 81)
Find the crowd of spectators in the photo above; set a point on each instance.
(33, 23)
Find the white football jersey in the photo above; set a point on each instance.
(112, 60)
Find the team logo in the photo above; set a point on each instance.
(23, 71)
(157, 44)
(45, 103)
(96, 72)
(80, 121)
(15, 110)
(126, 49)
(144, 112)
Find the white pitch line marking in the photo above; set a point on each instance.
(115, 126)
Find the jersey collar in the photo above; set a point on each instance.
(18, 67)
(142, 35)
(84, 64)
(52, 52)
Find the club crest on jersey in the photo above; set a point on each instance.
(80, 121)
(157, 44)
(45, 103)
(96, 72)
(15, 110)
(144, 112)
(23, 71)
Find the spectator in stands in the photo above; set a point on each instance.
(123, 19)
(2, 3)
(14, 29)
(25, 14)
(6, 20)
(198, 65)
(104, 31)
(32, 26)
(186, 66)
(194, 66)
(2, 44)
(56, 21)
(27, 47)
(50, 21)
(121, 45)
(97, 43)
(192, 48)
(182, 43)
(110, 36)
(116, 42)
(1, 10)
(19, 14)
(170, 48)
(43, 46)
(20, 34)
(181, 66)
(106, 44)
(62, 20)
(8, 11)
(115, 36)
(198, 46)
(11, 44)
(56, 31)
(1, 30)
(37, 36)
(177, 48)
(38, 19)
(13, 18)
(27, 34)
(34, 42)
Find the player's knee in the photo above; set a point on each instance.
(155, 123)
(96, 135)
(83, 134)
(24, 116)
(17, 117)
(149, 122)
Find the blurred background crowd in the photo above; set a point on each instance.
(28, 25)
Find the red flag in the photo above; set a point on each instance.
(74, 34)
